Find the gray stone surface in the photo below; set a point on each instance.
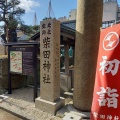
(86, 50)
(70, 109)
(71, 116)
(21, 102)
(7, 116)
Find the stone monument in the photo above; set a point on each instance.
(89, 21)
(49, 100)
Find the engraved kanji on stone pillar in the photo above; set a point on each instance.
(50, 66)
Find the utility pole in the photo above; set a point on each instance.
(35, 22)
(49, 8)
(50, 11)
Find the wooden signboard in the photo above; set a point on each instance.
(22, 60)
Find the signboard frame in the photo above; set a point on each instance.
(27, 60)
(23, 47)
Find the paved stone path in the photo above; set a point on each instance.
(7, 116)
(21, 102)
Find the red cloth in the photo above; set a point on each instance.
(106, 96)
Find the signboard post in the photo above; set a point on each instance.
(106, 96)
(9, 74)
(22, 59)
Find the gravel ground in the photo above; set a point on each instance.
(21, 103)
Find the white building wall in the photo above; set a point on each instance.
(63, 19)
(72, 14)
(110, 10)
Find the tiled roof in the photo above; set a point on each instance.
(69, 24)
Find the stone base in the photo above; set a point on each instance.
(49, 107)
(69, 110)
(65, 82)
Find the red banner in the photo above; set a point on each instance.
(106, 96)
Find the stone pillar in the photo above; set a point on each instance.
(49, 99)
(89, 21)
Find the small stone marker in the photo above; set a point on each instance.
(50, 100)
(65, 82)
